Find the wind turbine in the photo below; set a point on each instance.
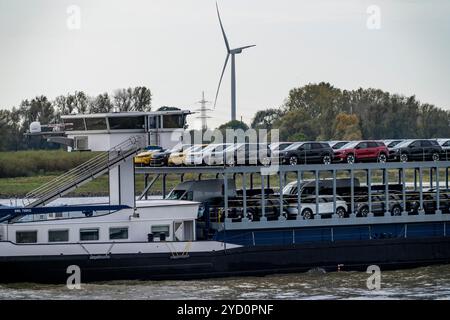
(232, 53)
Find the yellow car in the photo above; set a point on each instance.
(144, 158)
(177, 158)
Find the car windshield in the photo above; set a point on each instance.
(349, 145)
(403, 144)
(179, 147)
(221, 147)
(339, 145)
(294, 146)
(195, 148)
(208, 148)
(176, 194)
(279, 146)
(153, 148)
(234, 147)
(282, 146)
(393, 143)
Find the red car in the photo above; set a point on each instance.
(362, 151)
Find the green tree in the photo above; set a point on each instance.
(101, 104)
(234, 124)
(264, 119)
(346, 127)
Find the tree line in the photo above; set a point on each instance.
(323, 112)
(15, 122)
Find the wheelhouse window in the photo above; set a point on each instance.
(58, 235)
(89, 234)
(75, 124)
(162, 229)
(153, 122)
(173, 121)
(26, 236)
(118, 233)
(124, 123)
(96, 124)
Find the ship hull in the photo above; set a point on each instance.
(244, 261)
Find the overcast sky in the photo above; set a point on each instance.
(175, 48)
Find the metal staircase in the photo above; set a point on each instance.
(84, 173)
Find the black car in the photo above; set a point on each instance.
(306, 153)
(419, 150)
(429, 202)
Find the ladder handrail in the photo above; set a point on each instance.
(83, 166)
(85, 171)
(84, 174)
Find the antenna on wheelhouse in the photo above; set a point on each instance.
(203, 111)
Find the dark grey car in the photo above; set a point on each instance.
(379, 205)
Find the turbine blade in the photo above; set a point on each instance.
(223, 31)
(246, 47)
(220, 80)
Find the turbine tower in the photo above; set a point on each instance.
(232, 53)
(203, 111)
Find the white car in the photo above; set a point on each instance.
(202, 157)
(326, 205)
(217, 156)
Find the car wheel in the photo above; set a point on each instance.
(326, 159)
(435, 156)
(265, 162)
(364, 212)
(396, 211)
(250, 215)
(307, 214)
(351, 159)
(341, 213)
(404, 157)
(382, 158)
(231, 163)
(293, 161)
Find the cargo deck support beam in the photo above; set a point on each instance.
(352, 194)
(316, 175)
(263, 200)
(148, 187)
(404, 212)
(415, 179)
(244, 197)
(369, 190)
(438, 198)
(145, 186)
(299, 200)
(421, 208)
(281, 176)
(225, 198)
(431, 177)
(446, 178)
(386, 192)
(164, 190)
(334, 195)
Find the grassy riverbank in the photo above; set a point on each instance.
(19, 186)
(23, 171)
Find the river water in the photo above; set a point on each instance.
(421, 283)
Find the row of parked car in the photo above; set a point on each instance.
(293, 153)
